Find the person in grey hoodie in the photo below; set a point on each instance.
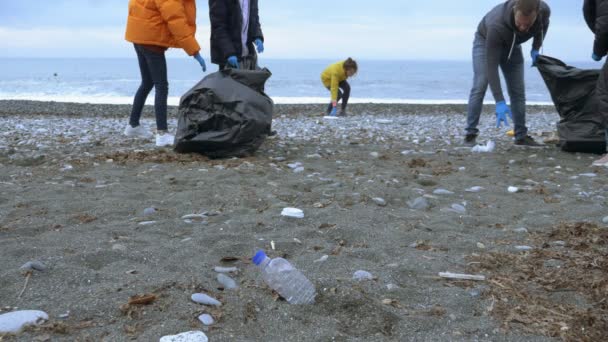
(498, 44)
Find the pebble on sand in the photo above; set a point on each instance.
(33, 266)
(292, 212)
(206, 319)
(362, 275)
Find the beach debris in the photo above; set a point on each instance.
(460, 276)
(149, 211)
(206, 319)
(227, 282)
(195, 217)
(220, 269)
(419, 203)
(442, 192)
(146, 223)
(13, 322)
(322, 259)
(513, 189)
(272, 245)
(474, 189)
(292, 212)
(33, 266)
(362, 275)
(379, 201)
(144, 299)
(524, 248)
(204, 299)
(65, 315)
(489, 147)
(189, 336)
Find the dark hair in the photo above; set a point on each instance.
(527, 7)
(351, 64)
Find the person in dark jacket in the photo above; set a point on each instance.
(596, 16)
(235, 29)
(498, 44)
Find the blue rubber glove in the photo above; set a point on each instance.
(334, 111)
(259, 44)
(534, 54)
(596, 57)
(233, 62)
(201, 61)
(501, 113)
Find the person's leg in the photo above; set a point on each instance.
(513, 71)
(144, 88)
(601, 91)
(158, 71)
(345, 94)
(480, 85)
(330, 106)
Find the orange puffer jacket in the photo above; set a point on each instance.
(167, 23)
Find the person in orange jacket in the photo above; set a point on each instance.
(153, 26)
(334, 79)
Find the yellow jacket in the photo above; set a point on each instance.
(332, 76)
(166, 23)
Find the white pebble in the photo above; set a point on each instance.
(512, 189)
(13, 322)
(190, 336)
(204, 299)
(362, 275)
(206, 319)
(292, 212)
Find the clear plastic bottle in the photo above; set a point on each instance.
(290, 283)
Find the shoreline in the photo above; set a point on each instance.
(44, 108)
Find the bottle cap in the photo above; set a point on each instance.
(259, 257)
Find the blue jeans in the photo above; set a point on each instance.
(513, 72)
(153, 68)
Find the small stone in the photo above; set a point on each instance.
(204, 299)
(149, 211)
(553, 263)
(481, 245)
(605, 220)
(459, 208)
(590, 175)
(298, 169)
(362, 275)
(419, 203)
(379, 201)
(524, 248)
(206, 319)
(220, 269)
(33, 266)
(442, 192)
(13, 322)
(190, 336)
(227, 282)
(474, 189)
(392, 287)
(146, 223)
(374, 154)
(520, 230)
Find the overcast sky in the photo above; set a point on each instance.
(382, 29)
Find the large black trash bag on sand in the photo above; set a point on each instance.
(227, 114)
(581, 128)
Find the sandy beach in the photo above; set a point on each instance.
(390, 190)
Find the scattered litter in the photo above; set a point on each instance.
(143, 299)
(322, 259)
(362, 275)
(450, 275)
(190, 336)
(204, 299)
(489, 147)
(292, 212)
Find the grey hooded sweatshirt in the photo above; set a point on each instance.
(502, 37)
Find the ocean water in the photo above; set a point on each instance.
(293, 81)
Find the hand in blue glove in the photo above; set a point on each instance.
(259, 44)
(201, 61)
(501, 113)
(534, 54)
(596, 57)
(334, 111)
(233, 62)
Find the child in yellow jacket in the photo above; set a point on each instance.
(334, 79)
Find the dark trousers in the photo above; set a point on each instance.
(343, 94)
(153, 68)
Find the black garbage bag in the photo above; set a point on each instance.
(573, 91)
(227, 114)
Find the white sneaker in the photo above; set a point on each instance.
(164, 139)
(136, 132)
